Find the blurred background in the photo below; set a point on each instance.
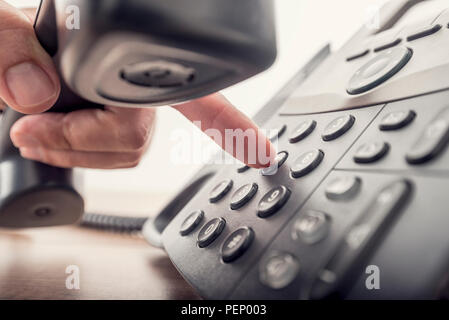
(303, 26)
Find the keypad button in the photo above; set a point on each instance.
(306, 163)
(210, 231)
(302, 131)
(236, 244)
(388, 203)
(358, 55)
(243, 195)
(388, 45)
(432, 141)
(426, 31)
(338, 127)
(220, 190)
(243, 168)
(343, 188)
(275, 134)
(191, 222)
(273, 201)
(379, 69)
(371, 152)
(311, 227)
(280, 159)
(278, 270)
(397, 120)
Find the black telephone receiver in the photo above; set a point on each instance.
(129, 53)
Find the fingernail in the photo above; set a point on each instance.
(31, 153)
(25, 140)
(29, 85)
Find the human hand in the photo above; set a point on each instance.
(110, 138)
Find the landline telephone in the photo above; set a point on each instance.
(362, 183)
(363, 169)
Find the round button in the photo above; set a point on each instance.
(343, 188)
(302, 131)
(243, 195)
(432, 141)
(275, 134)
(281, 157)
(371, 152)
(191, 222)
(273, 201)
(159, 74)
(220, 190)
(210, 231)
(311, 227)
(397, 120)
(236, 244)
(338, 127)
(278, 270)
(379, 69)
(306, 163)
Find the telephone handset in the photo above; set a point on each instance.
(129, 53)
(358, 209)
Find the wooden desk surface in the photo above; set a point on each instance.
(112, 266)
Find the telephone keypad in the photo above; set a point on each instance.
(332, 192)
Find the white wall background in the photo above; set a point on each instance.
(304, 26)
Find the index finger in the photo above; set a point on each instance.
(233, 131)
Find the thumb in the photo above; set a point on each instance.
(28, 79)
